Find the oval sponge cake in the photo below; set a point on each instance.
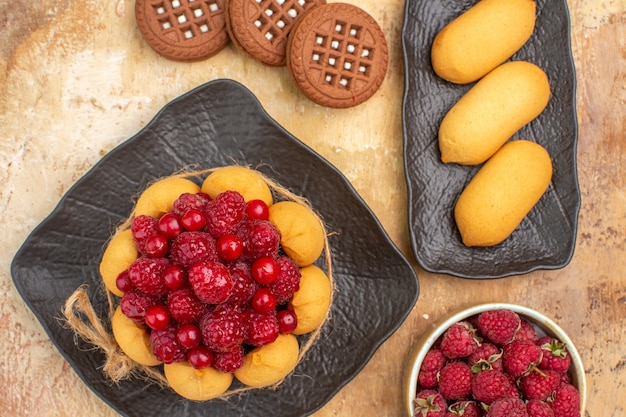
(159, 197)
(247, 182)
(196, 384)
(269, 364)
(502, 193)
(312, 300)
(302, 234)
(119, 254)
(494, 109)
(482, 38)
(133, 339)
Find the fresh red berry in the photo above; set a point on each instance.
(288, 280)
(189, 201)
(146, 274)
(538, 408)
(507, 407)
(185, 307)
(261, 329)
(499, 326)
(157, 317)
(432, 364)
(189, 335)
(566, 401)
(222, 328)
(263, 300)
(519, 358)
(229, 361)
(224, 213)
(211, 281)
(174, 277)
(459, 340)
(489, 385)
(287, 321)
(229, 246)
(265, 270)
(134, 304)
(169, 225)
(166, 346)
(257, 209)
(429, 403)
(486, 356)
(464, 409)
(555, 355)
(200, 357)
(455, 381)
(244, 286)
(156, 246)
(260, 238)
(193, 220)
(526, 332)
(191, 247)
(539, 385)
(123, 282)
(142, 228)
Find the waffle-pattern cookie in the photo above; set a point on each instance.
(183, 30)
(337, 55)
(260, 28)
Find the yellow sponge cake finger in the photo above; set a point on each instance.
(502, 193)
(196, 384)
(312, 300)
(247, 182)
(133, 339)
(119, 254)
(159, 197)
(482, 38)
(269, 364)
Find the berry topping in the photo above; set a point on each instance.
(222, 329)
(288, 280)
(156, 246)
(143, 227)
(224, 213)
(191, 247)
(193, 220)
(265, 270)
(244, 286)
(157, 317)
(146, 274)
(123, 282)
(261, 329)
(134, 304)
(185, 307)
(229, 361)
(499, 326)
(189, 335)
(287, 321)
(260, 238)
(263, 300)
(169, 225)
(257, 209)
(229, 246)
(166, 346)
(459, 340)
(211, 281)
(189, 201)
(174, 277)
(200, 357)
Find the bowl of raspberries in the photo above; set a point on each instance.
(494, 360)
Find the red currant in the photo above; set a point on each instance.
(123, 282)
(193, 220)
(287, 321)
(157, 246)
(169, 225)
(229, 246)
(174, 277)
(189, 335)
(257, 209)
(157, 317)
(263, 301)
(200, 357)
(265, 270)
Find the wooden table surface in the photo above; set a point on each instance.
(76, 79)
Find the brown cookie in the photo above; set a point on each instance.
(183, 30)
(260, 28)
(337, 55)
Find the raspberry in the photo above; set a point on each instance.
(222, 328)
(143, 227)
(429, 403)
(519, 358)
(555, 355)
(229, 361)
(464, 408)
(146, 274)
(526, 332)
(455, 381)
(166, 346)
(538, 408)
(489, 385)
(499, 326)
(507, 407)
(288, 280)
(566, 402)
(539, 385)
(486, 356)
(260, 238)
(244, 286)
(459, 340)
(191, 247)
(210, 281)
(185, 307)
(135, 303)
(433, 362)
(188, 201)
(261, 329)
(224, 213)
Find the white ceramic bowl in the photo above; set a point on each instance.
(543, 325)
